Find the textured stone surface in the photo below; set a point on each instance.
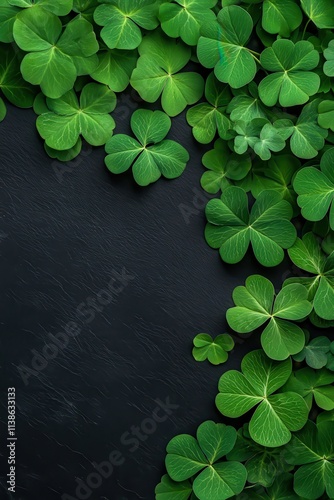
(62, 235)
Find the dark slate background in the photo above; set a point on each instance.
(64, 230)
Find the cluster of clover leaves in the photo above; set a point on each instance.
(256, 78)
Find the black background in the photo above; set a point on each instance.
(63, 230)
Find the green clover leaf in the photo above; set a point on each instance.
(221, 47)
(207, 118)
(308, 138)
(313, 450)
(315, 353)
(51, 62)
(276, 175)
(59, 8)
(158, 74)
(292, 82)
(325, 416)
(326, 114)
(277, 414)
(15, 89)
(313, 385)
(231, 227)
(246, 106)
(67, 119)
(255, 304)
(168, 489)
(321, 12)
(260, 135)
(315, 189)
(215, 351)
(184, 18)
(187, 456)
(115, 68)
(150, 156)
(281, 489)
(122, 20)
(307, 254)
(85, 8)
(281, 16)
(224, 167)
(3, 110)
(263, 464)
(329, 56)
(8, 15)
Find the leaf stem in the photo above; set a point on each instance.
(306, 26)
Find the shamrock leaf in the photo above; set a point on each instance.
(276, 174)
(315, 353)
(262, 464)
(325, 416)
(231, 227)
(115, 68)
(224, 167)
(311, 384)
(221, 46)
(3, 110)
(256, 304)
(329, 56)
(330, 357)
(171, 490)
(306, 253)
(281, 16)
(85, 8)
(8, 15)
(308, 138)
(291, 83)
(313, 450)
(281, 489)
(187, 456)
(51, 62)
(122, 20)
(326, 114)
(184, 18)
(14, 88)
(157, 74)
(152, 156)
(59, 8)
(277, 414)
(315, 189)
(215, 351)
(67, 119)
(321, 12)
(246, 106)
(260, 135)
(207, 118)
